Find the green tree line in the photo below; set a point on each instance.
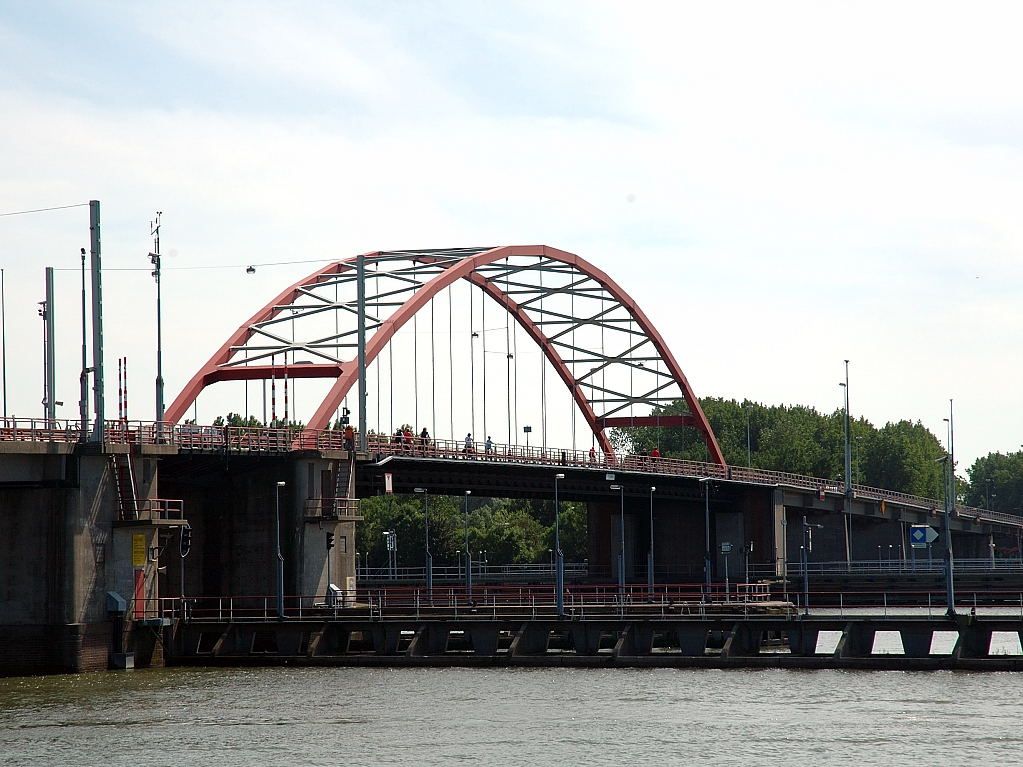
(509, 531)
(902, 456)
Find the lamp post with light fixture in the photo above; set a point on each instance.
(280, 556)
(428, 557)
(559, 557)
(650, 554)
(154, 259)
(705, 481)
(621, 554)
(468, 553)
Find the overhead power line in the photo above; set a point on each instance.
(43, 210)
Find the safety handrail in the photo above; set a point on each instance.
(284, 439)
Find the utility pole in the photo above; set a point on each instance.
(950, 592)
(848, 437)
(154, 259)
(83, 402)
(46, 311)
(360, 282)
(97, 319)
(847, 470)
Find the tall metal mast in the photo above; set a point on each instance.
(154, 258)
(97, 319)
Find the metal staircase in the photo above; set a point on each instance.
(124, 482)
(344, 485)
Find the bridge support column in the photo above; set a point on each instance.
(585, 639)
(692, 640)
(974, 641)
(291, 640)
(332, 639)
(802, 641)
(743, 641)
(430, 639)
(385, 639)
(857, 641)
(531, 639)
(313, 478)
(484, 639)
(916, 643)
(635, 639)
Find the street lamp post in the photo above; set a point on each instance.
(391, 542)
(83, 402)
(847, 435)
(705, 481)
(280, 556)
(154, 258)
(559, 564)
(468, 551)
(650, 554)
(621, 554)
(847, 469)
(428, 557)
(805, 550)
(950, 594)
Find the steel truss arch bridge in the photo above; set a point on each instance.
(604, 349)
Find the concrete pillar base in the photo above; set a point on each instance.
(743, 641)
(529, 640)
(802, 641)
(857, 641)
(916, 643)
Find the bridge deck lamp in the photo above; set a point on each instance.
(559, 563)
(650, 554)
(705, 481)
(468, 552)
(621, 554)
(280, 556)
(804, 552)
(428, 557)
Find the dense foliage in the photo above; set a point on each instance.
(509, 531)
(900, 456)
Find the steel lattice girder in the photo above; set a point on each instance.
(554, 296)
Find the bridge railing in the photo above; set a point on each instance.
(281, 440)
(160, 508)
(341, 509)
(922, 564)
(481, 571)
(14, 429)
(485, 601)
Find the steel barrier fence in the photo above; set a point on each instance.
(511, 602)
(514, 604)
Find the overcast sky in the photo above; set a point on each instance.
(780, 186)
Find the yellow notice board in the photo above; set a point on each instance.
(138, 550)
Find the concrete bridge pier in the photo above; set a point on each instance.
(63, 548)
(235, 505)
(324, 530)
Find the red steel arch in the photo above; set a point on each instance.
(347, 374)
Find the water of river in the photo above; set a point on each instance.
(356, 716)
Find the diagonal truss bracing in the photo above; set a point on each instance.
(599, 342)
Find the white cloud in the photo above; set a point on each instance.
(779, 189)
